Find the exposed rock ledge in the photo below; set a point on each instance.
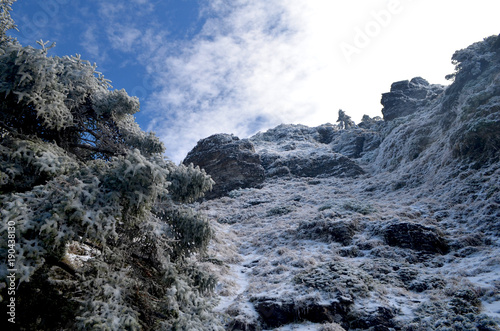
(231, 162)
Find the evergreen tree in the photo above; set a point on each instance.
(78, 175)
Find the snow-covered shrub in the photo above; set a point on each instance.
(76, 168)
(192, 231)
(439, 315)
(478, 100)
(337, 278)
(359, 207)
(328, 230)
(279, 211)
(188, 183)
(470, 63)
(27, 163)
(478, 141)
(66, 101)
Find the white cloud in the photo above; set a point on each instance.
(259, 63)
(90, 42)
(244, 72)
(110, 10)
(123, 38)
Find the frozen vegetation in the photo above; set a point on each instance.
(391, 224)
(95, 230)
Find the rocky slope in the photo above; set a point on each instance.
(390, 225)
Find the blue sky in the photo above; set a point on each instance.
(242, 66)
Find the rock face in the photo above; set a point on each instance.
(287, 150)
(275, 312)
(355, 143)
(409, 245)
(415, 236)
(231, 162)
(303, 151)
(407, 97)
(381, 318)
(312, 164)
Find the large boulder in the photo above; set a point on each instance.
(415, 236)
(277, 312)
(374, 318)
(231, 162)
(407, 97)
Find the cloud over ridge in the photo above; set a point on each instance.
(240, 66)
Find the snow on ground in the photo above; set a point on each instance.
(265, 253)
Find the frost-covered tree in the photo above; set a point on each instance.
(476, 71)
(345, 120)
(92, 216)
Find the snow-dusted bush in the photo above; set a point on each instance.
(337, 278)
(448, 320)
(76, 168)
(279, 211)
(470, 63)
(328, 230)
(477, 137)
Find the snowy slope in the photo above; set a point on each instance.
(264, 227)
(409, 242)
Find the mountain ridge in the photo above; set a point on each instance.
(391, 224)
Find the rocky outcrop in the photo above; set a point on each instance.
(286, 150)
(407, 97)
(356, 142)
(380, 318)
(374, 252)
(472, 103)
(275, 312)
(415, 236)
(231, 162)
(304, 151)
(310, 164)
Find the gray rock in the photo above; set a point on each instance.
(307, 151)
(327, 231)
(231, 162)
(310, 164)
(407, 97)
(243, 325)
(380, 318)
(415, 236)
(276, 312)
(356, 142)
(286, 133)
